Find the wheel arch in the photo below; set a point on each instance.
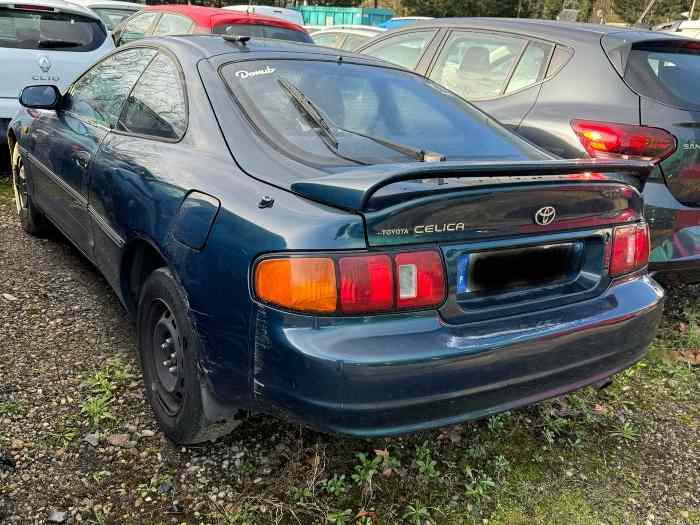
(11, 142)
(141, 257)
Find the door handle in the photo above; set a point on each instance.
(82, 159)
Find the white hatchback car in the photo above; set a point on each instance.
(112, 12)
(45, 42)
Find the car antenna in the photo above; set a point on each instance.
(238, 39)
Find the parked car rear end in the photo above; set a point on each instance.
(363, 251)
(581, 90)
(47, 42)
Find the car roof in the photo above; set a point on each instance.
(58, 5)
(564, 32)
(109, 3)
(202, 46)
(358, 30)
(208, 16)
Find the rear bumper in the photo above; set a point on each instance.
(403, 373)
(675, 234)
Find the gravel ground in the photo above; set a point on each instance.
(78, 443)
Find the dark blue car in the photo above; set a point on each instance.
(315, 234)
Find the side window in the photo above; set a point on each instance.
(330, 39)
(156, 106)
(354, 41)
(170, 24)
(137, 27)
(476, 65)
(404, 50)
(531, 67)
(98, 96)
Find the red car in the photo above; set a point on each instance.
(160, 20)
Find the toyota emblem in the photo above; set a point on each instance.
(545, 215)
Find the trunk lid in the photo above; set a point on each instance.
(515, 236)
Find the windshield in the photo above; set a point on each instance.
(262, 31)
(34, 29)
(364, 103)
(113, 16)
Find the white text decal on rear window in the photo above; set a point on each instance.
(242, 73)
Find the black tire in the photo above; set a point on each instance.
(169, 348)
(32, 220)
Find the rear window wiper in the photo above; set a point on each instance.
(311, 112)
(420, 155)
(325, 125)
(58, 43)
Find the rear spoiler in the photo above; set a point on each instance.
(352, 189)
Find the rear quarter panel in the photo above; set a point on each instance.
(587, 88)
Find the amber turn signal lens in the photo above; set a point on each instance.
(305, 284)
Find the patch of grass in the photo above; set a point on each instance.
(103, 385)
(570, 507)
(96, 410)
(12, 409)
(6, 193)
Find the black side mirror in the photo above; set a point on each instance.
(40, 97)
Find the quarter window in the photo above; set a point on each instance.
(137, 27)
(99, 94)
(476, 65)
(156, 106)
(531, 67)
(403, 50)
(170, 24)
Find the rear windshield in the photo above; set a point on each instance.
(667, 71)
(112, 17)
(31, 29)
(263, 31)
(377, 102)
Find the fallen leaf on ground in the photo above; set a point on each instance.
(690, 356)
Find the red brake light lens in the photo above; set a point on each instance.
(31, 7)
(366, 284)
(420, 280)
(622, 141)
(630, 249)
(642, 246)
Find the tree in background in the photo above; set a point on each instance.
(508, 8)
(663, 10)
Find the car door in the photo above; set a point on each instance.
(409, 49)
(173, 24)
(66, 140)
(136, 27)
(498, 73)
(124, 193)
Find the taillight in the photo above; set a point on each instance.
(301, 283)
(365, 284)
(420, 281)
(623, 141)
(630, 249)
